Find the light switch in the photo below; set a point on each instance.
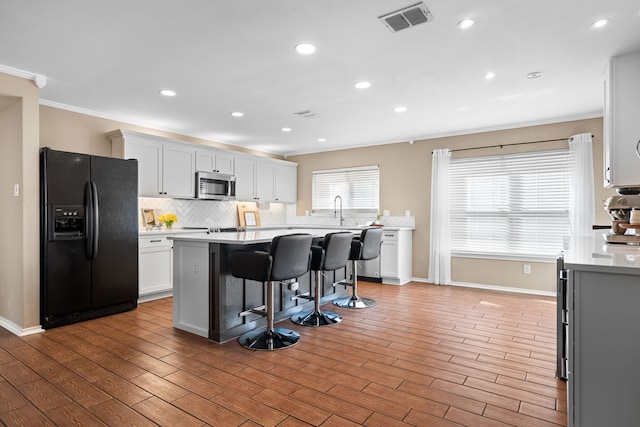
(16, 190)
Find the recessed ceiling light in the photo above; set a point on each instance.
(489, 75)
(362, 85)
(400, 109)
(286, 129)
(305, 48)
(465, 23)
(322, 140)
(600, 23)
(167, 92)
(534, 75)
(237, 114)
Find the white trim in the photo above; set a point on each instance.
(17, 330)
(505, 257)
(491, 287)
(504, 289)
(38, 79)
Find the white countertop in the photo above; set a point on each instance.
(595, 252)
(252, 236)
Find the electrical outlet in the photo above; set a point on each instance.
(526, 268)
(196, 268)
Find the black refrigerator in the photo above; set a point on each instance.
(89, 237)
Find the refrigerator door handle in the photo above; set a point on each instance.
(91, 200)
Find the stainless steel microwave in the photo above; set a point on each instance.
(215, 186)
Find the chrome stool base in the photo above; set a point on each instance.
(274, 339)
(354, 302)
(316, 318)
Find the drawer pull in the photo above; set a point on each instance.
(155, 241)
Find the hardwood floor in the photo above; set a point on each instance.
(425, 355)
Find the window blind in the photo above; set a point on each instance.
(511, 205)
(359, 188)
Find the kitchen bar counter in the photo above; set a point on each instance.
(599, 292)
(207, 298)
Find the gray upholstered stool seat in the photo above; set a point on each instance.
(365, 248)
(332, 255)
(288, 258)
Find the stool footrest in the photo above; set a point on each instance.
(261, 310)
(345, 282)
(306, 295)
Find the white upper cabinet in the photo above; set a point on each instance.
(211, 160)
(165, 168)
(254, 180)
(622, 122)
(178, 170)
(286, 184)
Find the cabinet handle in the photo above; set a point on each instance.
(155, 241)
(607, 175)
(638, 148)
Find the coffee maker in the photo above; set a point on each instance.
(620, 209)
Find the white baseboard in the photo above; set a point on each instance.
(494, 288)
(17, 330)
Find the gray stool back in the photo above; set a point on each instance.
(332, 255)
(365, 248)
(288, 258)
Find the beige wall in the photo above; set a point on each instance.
(19, 247)
(405, 183)
(80, 133)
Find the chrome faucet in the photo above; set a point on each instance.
(335, 210)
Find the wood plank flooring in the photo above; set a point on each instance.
(425, 355)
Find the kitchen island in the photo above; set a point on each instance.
(207, 299)
(599, 290)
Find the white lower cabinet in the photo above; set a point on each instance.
(395, 256)
(155, 265)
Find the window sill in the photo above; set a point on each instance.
(505, 257)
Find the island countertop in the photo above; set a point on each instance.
(252, 236)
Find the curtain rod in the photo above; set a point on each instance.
(514, 143)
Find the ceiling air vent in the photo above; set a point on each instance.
(306, 114)
(407, 17)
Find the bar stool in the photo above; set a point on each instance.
(332, 255)
(362, 249)
(288, 258)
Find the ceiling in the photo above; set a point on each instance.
(111, 58)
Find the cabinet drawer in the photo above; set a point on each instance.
(390, 236)
(150, 242)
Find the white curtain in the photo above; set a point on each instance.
(582, 211)
(440, 245)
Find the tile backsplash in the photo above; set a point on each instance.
(208, 213)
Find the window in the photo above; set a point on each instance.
(511, 205)
(358, 187)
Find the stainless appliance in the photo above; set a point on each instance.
(88, 235)
(215, 186)
(619, 208)
(562, 320)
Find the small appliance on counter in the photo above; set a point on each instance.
(624, 210)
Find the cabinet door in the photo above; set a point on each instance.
(621, 124)
(389, 259)
(245, 179)
(149, 156)
(155, 266)
(178, 172)
(265, 182)
(224, 163)
(286, 184)
(205, 160)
